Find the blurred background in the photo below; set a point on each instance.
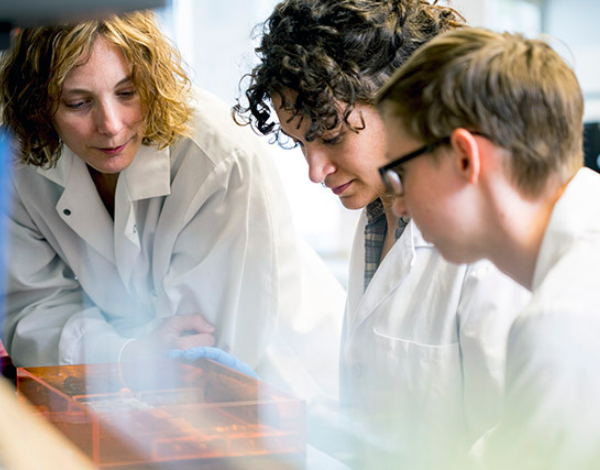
(217, 43)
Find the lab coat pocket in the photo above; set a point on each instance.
(426, 379)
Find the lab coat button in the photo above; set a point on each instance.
(226, 348)
(135, 229)
(67, 211)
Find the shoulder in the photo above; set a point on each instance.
(571, 285)
(29, 184)
(215, 137)
(485, 271)
(491, 297)
(561, 323)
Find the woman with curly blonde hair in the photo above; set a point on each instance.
(144, 220)
(35, 71)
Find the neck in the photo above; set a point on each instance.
(517, 235)
(392, 223)
(106, 185)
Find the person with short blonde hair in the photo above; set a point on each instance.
(497, 137)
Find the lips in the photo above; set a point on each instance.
(340, 189)
(113, 150)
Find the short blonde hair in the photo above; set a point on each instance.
(34, 69)
(517, 91)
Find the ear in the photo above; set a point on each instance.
(468, 159)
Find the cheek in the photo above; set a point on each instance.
(420, 203)
(70, 129)
(138, 115)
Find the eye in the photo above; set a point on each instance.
(336, 139)
(76, 105)
(399, 170)
(127, 94)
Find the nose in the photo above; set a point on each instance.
(399, 207)
(319, 165)
(108, 120)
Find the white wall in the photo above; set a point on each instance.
(214, 38)
(572, 27)
(576, 23)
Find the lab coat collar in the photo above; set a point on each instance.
(59, 174)
(575, 214)
(392, 272)
(80, 206)
(148, 176)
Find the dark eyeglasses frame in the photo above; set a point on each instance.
(384, 170)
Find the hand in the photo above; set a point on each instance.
(214, 354)
(176, 332)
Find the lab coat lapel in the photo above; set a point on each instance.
(392, 272)
(148, 176)
(126, 236)
(80, 206)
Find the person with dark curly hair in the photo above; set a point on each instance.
(423, 343)
(144, 220)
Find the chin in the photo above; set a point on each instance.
(114, 165)
(352, 205)
(355, 203)
(458, 256)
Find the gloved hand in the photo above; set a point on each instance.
(214, 354)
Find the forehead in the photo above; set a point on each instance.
(291, 122)
(333, 118)
(105, 62)
(284, 104)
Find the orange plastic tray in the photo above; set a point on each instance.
(167, 411)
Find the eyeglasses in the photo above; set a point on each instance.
(391, 173)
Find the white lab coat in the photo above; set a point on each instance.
(202, 226)
(552, 418)
(424, 348)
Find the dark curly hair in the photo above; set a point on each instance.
(332, 53)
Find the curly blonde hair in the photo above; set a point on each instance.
(34, 69)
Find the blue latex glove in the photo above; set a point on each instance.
(214, 354)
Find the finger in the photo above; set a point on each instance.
(196, 353)
(175, 353)
(220, 356)
(194, 341)
(180, 324)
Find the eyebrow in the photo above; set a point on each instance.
(75, 91)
